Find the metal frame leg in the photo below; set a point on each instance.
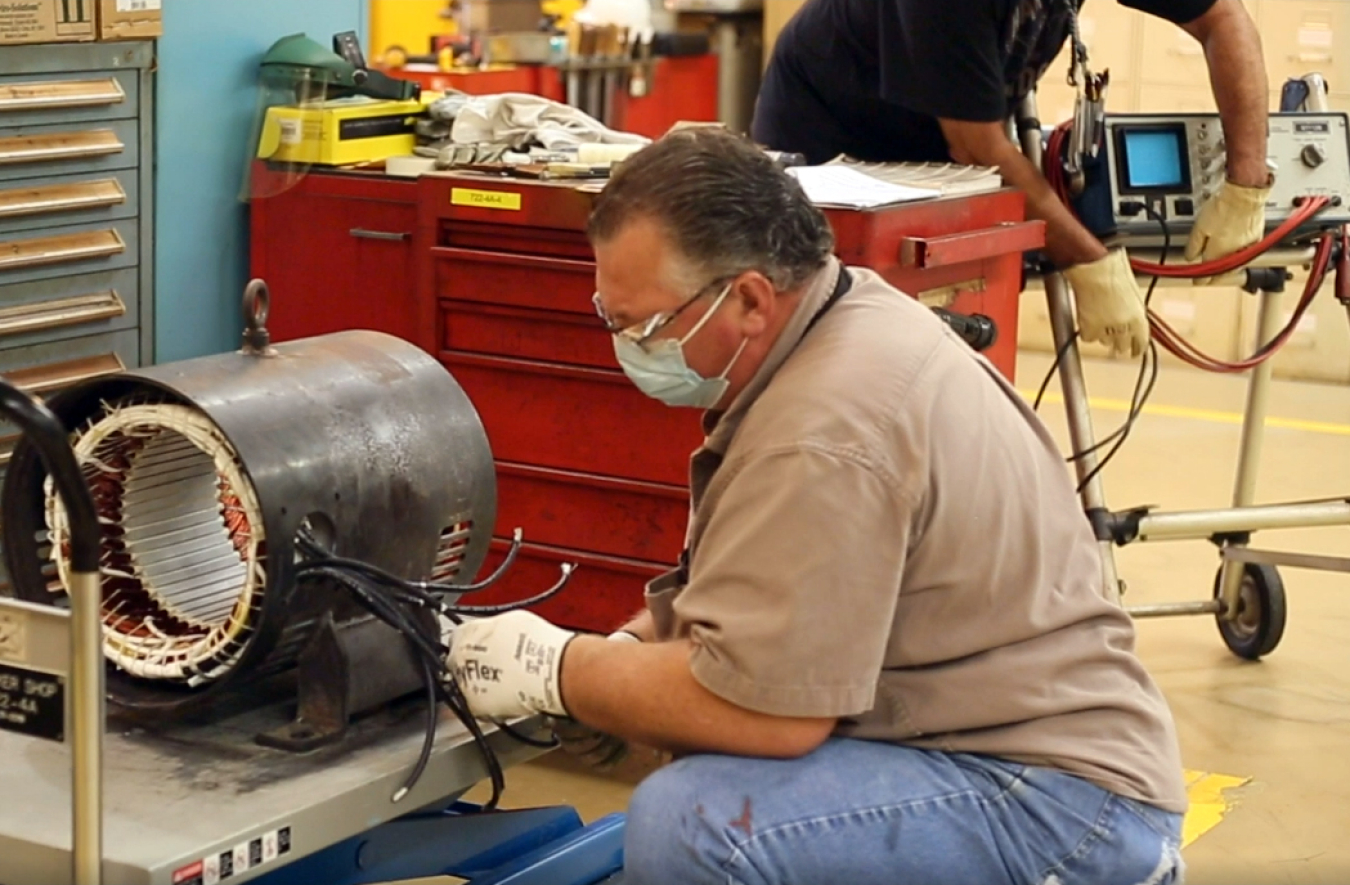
(1081, 433)
(1253, 436)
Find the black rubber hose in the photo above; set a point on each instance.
(45, 431)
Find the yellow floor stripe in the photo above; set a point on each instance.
(1208, 803)
(1120, 405)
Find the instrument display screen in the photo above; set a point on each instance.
(1154, 159)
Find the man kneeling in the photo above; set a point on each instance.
(888, 657)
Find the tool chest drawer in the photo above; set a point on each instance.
(73, 97)
(56, 251)
(583, 420)
(605, 591)
(69, 307)
(613, 517)
(552, 336)
(69, 199)
(36, 151)
(515, 280)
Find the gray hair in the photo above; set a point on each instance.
(726, 204)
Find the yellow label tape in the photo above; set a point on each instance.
(462, 196)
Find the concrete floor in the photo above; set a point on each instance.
(1282, 725)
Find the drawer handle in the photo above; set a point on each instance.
(73, 311)
(1002, 239)
(57, 250)
(18, 202)
(396, 236)
(60, 146)
(45, 379)
(60, 94)
(1311, 57)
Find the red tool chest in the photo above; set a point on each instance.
(591, 470)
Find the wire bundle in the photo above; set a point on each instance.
(413, 608)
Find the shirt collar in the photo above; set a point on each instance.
(721, 426)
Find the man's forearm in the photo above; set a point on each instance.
(1067, 241)
(642, 626)
(1237, 75)
(647, 694)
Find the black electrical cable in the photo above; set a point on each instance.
(453, 697)
(1054, 367)
(1148, 366)
(480, 610)
(311, 548)
(429, 740)
(525, 738)
(396, 602)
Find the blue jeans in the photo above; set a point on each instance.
(858, 812)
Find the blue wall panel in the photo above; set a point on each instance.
(207, 92)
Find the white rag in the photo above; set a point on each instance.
(518, 119)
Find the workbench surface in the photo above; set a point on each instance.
(195, 792)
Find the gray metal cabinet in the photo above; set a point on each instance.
(76, 206)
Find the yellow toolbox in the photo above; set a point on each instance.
(341, 132)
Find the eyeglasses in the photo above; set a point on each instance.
(641, 333)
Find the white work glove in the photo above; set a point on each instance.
(1232, 219)
(598, 749)
(1110, 305)
(509, 666)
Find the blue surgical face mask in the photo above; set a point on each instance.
(660, 371)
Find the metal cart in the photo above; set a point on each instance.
(1248, 599)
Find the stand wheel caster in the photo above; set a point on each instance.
(1258, 624)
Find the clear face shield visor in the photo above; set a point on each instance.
(284, 130)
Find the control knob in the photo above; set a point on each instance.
(1312, 155)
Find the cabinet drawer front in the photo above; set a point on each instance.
(68, 199)
(69, 307)
(613, 517)
(567, 418)
(44, 369)
(56, 150)
(57, 251)
(604, 593)
(515, 280)
(527, 334)
(49, 98)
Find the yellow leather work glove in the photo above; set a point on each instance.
(1232, 219)
(1110, 305)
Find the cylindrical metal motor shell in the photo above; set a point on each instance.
(361, 427)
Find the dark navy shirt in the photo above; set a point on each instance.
(870, 78)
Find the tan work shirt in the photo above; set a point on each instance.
(884, 532)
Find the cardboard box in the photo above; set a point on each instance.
(129, 19)
(46, 21)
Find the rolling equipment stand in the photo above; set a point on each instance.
(1248, 600)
